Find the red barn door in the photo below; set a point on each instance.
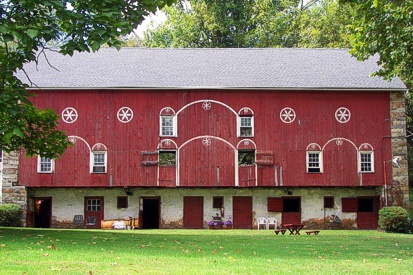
(291, 210)
(367, 212)
(242, 211)
(94, 208)
(194, 212)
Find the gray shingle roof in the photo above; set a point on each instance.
(271, 68)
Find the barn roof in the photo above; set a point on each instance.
(240, 68)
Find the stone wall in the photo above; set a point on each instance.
(67, 202)
(398, 190)
(11, 191)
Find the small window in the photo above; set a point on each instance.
(246, 157)
(314, 162)
(217, 202)
(122, 202)
(167, 126)
(99, 162)
(246, 128)
(328, 202)
(167, 158)
(45, 165)
(366, 162)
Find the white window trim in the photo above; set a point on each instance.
(174, 126)
(92, 162)
(320, 163)
(239, 126)
(372, 161)
(39, 166)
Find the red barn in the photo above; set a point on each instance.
(175, 137)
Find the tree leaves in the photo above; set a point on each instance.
(27, 28)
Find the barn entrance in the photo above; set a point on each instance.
(42, 212)
(367, 212)
(149, 213)
(194, 212)
(291, 212)
(242, 212)
(93, 211)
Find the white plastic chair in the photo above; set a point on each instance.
(271, 221)
(261, 220)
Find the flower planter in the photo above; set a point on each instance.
(228, 226)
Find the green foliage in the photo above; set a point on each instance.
(27, 29)
(10, 215)
(245, 23)
(393, 219)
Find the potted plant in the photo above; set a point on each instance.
(211, 224)
(220, 224)
(228, 224)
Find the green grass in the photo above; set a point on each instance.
(53, 251)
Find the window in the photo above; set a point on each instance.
(45, 165)
(122, 202)
(246, 157)
(93, 205)
(99, 162)
(217, 202)
(328, 202)
(167, 126)
(314, 162)
(366, 162)
(246, 126)
(167, 158)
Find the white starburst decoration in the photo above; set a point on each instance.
(206, 141)
(69, 115)
(339, 142)
(206, 105)
(343, 115)
(287, 115)
(125, 114)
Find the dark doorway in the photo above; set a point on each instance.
(242, 211)
(150, 213)
(367, 212)
(291, 210)
(42, 212)
(194, 212)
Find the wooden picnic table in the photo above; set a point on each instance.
(294, 228)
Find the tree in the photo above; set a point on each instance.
(385, 27)
(27, 29)
(246, 23)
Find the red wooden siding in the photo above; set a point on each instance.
(281, 147)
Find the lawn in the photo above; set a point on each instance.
(53, 251)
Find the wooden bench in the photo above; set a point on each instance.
(276, 231)
(315, 232)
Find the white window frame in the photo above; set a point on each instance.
(94, 164)
(161, 126)
(360, 164)
(240, 122)
(43, 163)
(320, 162)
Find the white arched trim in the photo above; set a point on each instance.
(206, 101)
(73, 140)
(99, 147)
(366, 147)
(339, 141)
(166, 144)
(313, 147)
(246, 142)
(245, 111)
(167, 111)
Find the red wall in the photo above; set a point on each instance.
(315, 123)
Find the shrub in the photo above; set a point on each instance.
(9, 215)
(393, 219)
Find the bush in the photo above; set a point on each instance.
(9, 215)
(393, 219)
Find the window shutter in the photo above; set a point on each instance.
(275, 204)
(349, 204)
